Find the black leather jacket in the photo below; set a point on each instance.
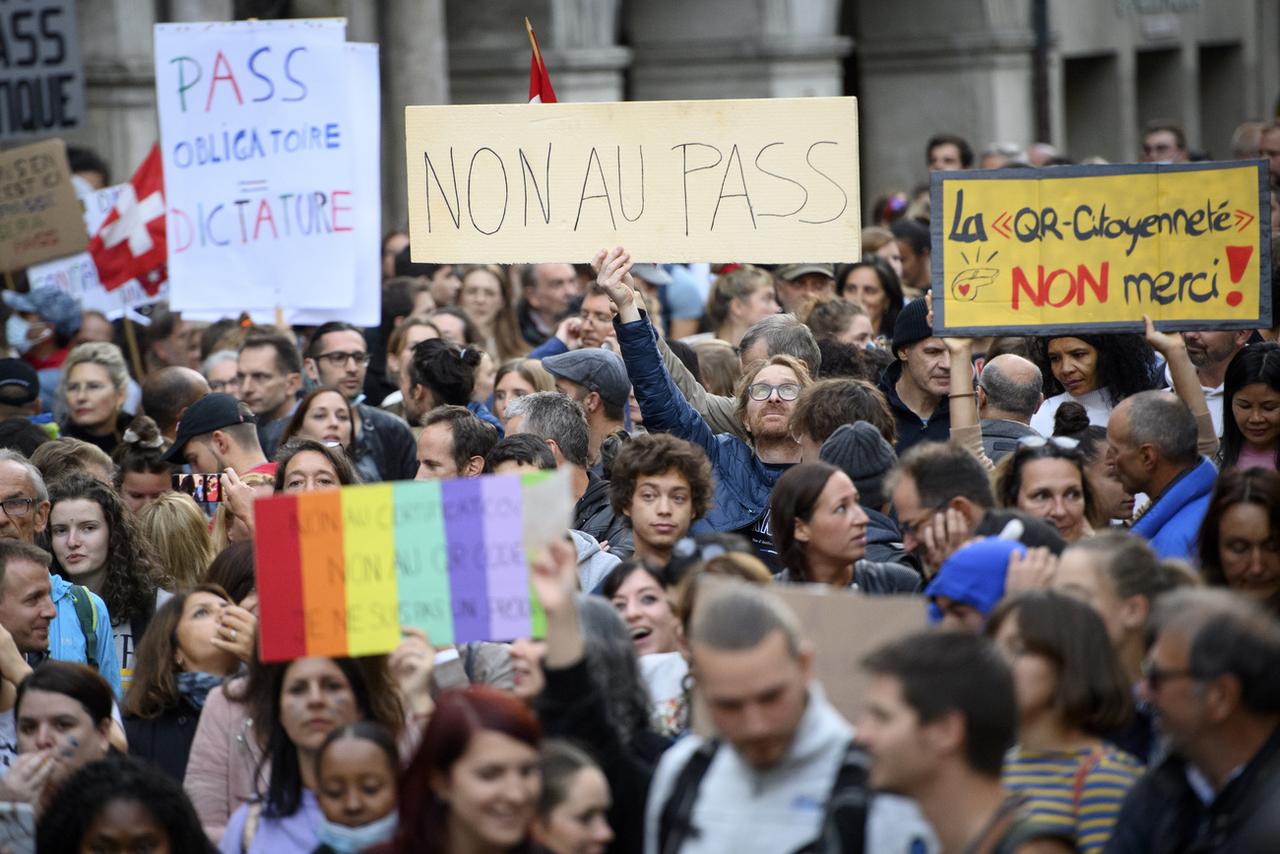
(872, 578)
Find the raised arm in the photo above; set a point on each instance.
(1185, 383)
(665, 408)
(966, 428)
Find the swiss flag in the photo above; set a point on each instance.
(131, 243)
(540, 91)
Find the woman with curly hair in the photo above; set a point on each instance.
(121, 804)
(96, 543)
(1096, 371)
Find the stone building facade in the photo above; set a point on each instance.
(1082, 74)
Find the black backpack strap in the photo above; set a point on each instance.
(675, 824)
(844, 822)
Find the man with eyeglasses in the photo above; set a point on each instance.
(338, 356)
(940, 492)
(745, 472)
(1211, 675)
(1164, 143)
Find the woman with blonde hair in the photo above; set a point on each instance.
(516, 378)
(179, 535)
(738, 299)
(94, 384)
(227, 528)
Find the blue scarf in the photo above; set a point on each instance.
(195, 687)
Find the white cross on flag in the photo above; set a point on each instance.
(131, 243)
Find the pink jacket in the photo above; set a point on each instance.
(224, 758)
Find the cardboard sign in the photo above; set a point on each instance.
(77, 275)
(770, 181)
(340, 571)
(844, 626)
(265, 184)
(1093, 248)
(41, 78)
(39, 212)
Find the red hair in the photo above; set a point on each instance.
(458, 716)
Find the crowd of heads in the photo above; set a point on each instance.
(1088, 521)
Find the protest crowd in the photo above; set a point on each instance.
(1082, 520)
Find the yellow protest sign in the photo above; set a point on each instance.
(769, 181)
(1097, 247)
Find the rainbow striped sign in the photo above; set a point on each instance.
(340, 571)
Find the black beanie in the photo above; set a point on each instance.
(912, 324)
(863, 454)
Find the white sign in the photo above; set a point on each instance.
(261, 153)
(78, 277)
(41, 78)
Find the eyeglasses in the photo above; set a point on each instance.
(1155, 676)
(912, 527)
(219, 386)
(17, 508)
(338, 359)
(764, 391)
(1062, 443)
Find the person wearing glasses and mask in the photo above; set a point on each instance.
(744, 472)
(337, 356)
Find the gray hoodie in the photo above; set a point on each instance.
(742, 810)
(593, 564)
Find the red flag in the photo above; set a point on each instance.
(540, 91)
(131, 243)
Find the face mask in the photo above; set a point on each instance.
(350, 840)
(15, 329)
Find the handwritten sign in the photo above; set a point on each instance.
(77, 276)
(341, 571)
(41, 79)
(264, 191)
(39, 213)
(1096, 247)
(772, 181)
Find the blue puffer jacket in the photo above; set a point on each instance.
(742, 482)
(1172, 524)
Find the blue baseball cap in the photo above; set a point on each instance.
(974, 575)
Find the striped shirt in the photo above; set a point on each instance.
(1047, 780)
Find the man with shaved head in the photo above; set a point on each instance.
(166, 394)
(1009, 393)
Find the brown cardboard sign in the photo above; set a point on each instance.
(40, 216)
(772, 180)
(844, 626)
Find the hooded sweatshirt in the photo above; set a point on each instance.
(741, 809)
(593, 564)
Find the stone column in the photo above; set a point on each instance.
(414, 72)
(965, 67)
(119, 67)
(730, 49)
(489, 49)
